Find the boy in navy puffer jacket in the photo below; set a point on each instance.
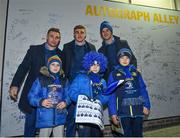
(130, 101)
(49, 96)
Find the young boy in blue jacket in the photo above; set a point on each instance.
(49, 96)
(130, 101)
(91, 84)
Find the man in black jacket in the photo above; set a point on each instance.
(111, 45)
(74, 52)
(35, 58)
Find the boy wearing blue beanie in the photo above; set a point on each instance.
(111, 45)
(130, 101)
(48, 95)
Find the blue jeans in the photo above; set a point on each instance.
(70, 121)
(133, 127)
(30, 124)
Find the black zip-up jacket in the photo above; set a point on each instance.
(68, 52)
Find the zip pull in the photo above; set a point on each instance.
(117, 103)
(131, 112)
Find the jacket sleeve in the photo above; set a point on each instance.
(112, 104)
(104, 98)
(22, 69)
(74, 89)
(67, 98)
(33, 96)
(110, 79)
(64, 58)
(144, 93)
(93, 48)
(101, 50)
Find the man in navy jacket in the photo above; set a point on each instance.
(35, 58)
(74, 52)
(111, 45)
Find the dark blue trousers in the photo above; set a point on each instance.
(133, 127)
(70, 121)
(89, 130)
(30, 124)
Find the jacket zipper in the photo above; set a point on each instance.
(54, 116)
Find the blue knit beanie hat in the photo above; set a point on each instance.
(95, 58)
(106, 24)
(124, 52)
(52, 59)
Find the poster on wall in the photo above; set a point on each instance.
(153, 35)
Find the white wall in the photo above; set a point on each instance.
(177, 4)
(3, 4)
(3, 7)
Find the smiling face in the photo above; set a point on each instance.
(124, 60)
(53, 39)
(54, 67)
(95, 68)
(106, 34)
(80, 35)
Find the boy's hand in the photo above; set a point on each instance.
(115, 120)
(47, 103)
(146, 111)
(61, 105)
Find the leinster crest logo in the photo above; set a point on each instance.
(129, 85)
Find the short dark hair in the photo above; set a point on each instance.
(79, 27)
(53, 30)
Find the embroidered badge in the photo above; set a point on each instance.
(118, 74)
(134, 74)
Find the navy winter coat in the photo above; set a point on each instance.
(31, 64)
(129, 99)
(47, 117)
(68, 52)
